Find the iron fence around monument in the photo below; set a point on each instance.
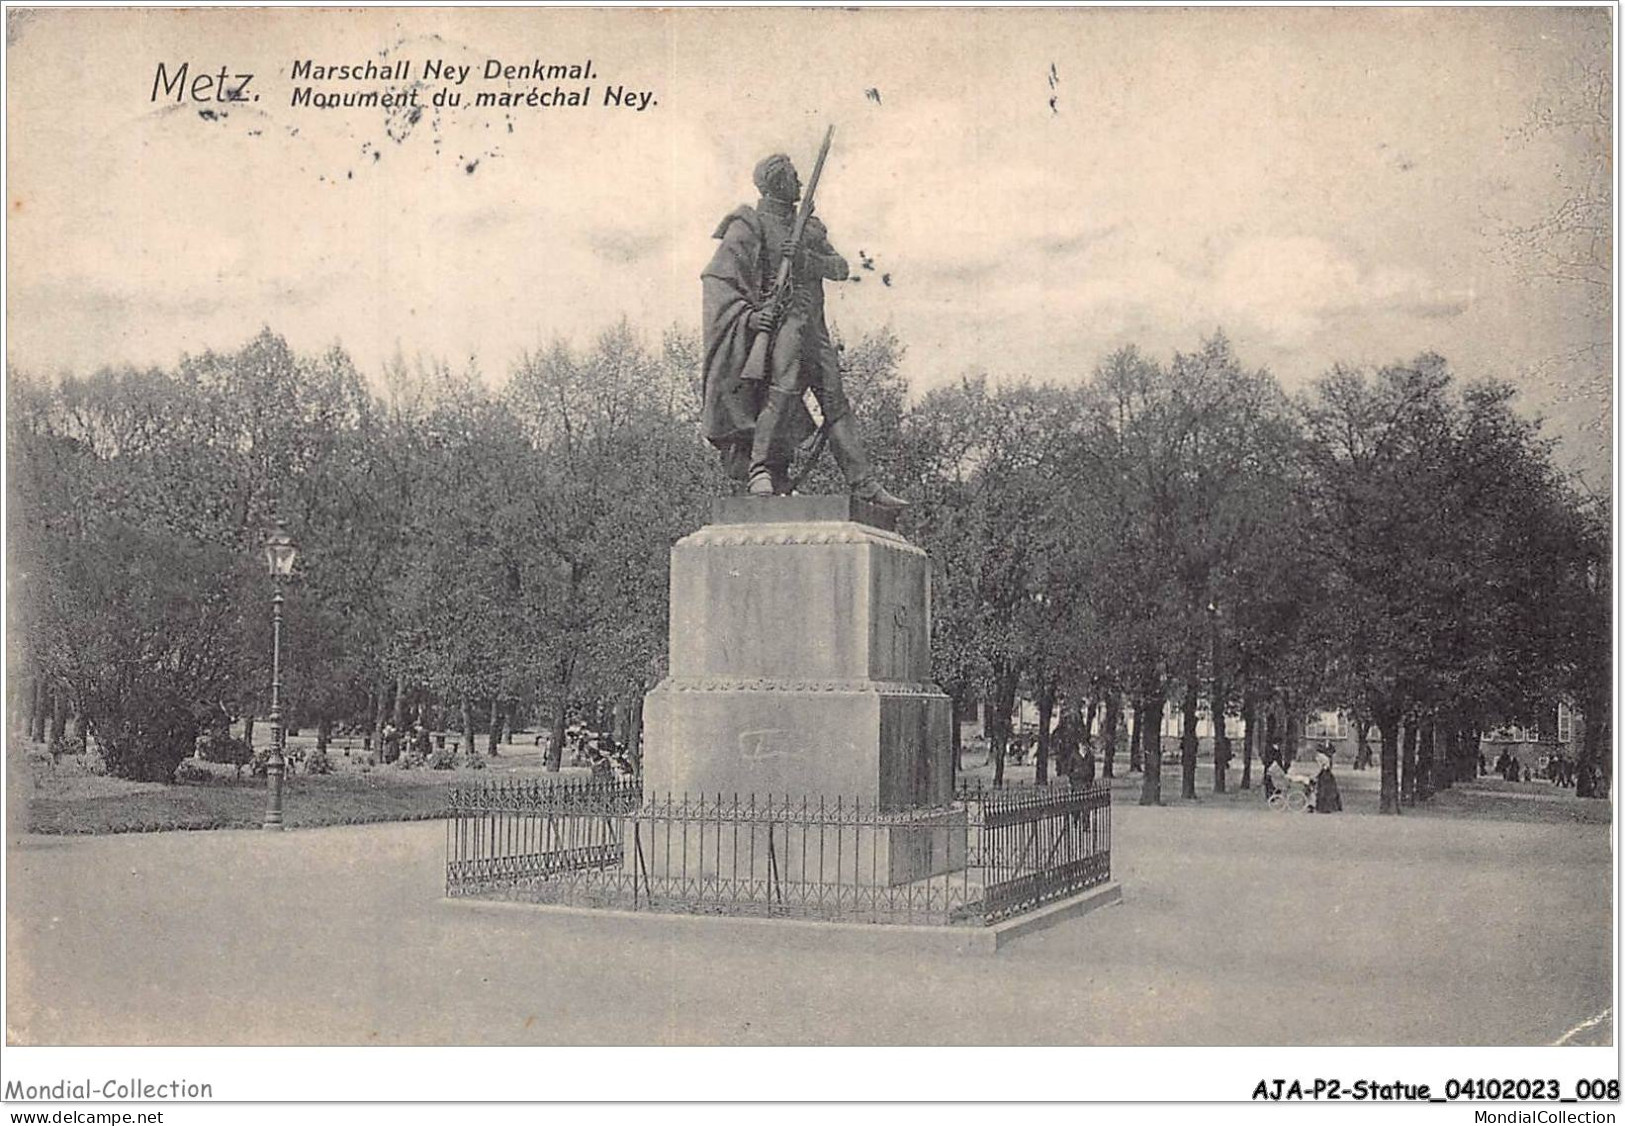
(502, 832)
(1035, 845)
(984, 858)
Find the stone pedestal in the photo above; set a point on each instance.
(800, 661)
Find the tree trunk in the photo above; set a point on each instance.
(1217, 698)
(956, 741)
(495, 739)
(1272, 736)
(1362, 740)
(1407, 765)
(324, 732)
(1388, 725)
(634, 737)
(59, 720)
(42, 707)
(999, 724)
(1147, 716)
(1136, 761)
(1467, 744)
(1046, 709)
(1590, 777)
(1151, 752)
(1003, 704)
(555, 751)
(1451, 748)
(380, 712)
(31, 708)
(1187, 737)
(1424, 762)
(1294, 735)
(1108, 737)
(399, 717)
(1249, 729)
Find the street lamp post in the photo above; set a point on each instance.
(280, 552)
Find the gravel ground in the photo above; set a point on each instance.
(1239, 927)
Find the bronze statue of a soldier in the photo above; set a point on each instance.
(766, 341)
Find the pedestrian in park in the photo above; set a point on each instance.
(1273, 780)
(1066, 740)
(1080, 774)
(601, 767)
(1080, 766)
(1327, 797)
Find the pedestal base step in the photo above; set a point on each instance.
(815, 933)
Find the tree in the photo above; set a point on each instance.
(989, 452)
(1377, 458)
(1587, 634)
(1451, 553)
(616, 475)
(149, 637)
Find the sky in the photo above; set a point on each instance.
(1325, 185)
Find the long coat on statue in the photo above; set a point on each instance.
(735, 284)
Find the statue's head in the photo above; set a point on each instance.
(776, 178)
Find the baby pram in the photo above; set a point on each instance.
(1294, 787)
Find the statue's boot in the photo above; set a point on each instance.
(771, 481)
(768, 475)
(854, 462)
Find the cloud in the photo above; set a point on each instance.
(625, 247)
(1207, 169)
(1442, 308)
(488, 220)
(1296, 287)
(1077, 242)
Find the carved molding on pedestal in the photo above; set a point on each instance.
(783, 684)
(780, 535)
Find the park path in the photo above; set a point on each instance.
(1238, 927)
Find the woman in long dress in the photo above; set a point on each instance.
(1327, 797)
